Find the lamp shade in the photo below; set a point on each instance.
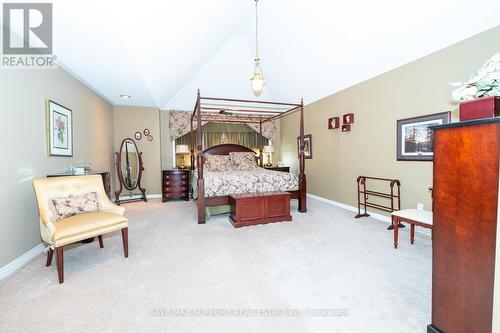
(268, 149)
(182, 149)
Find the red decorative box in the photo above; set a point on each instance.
(485, 107)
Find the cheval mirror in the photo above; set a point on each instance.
(129, 169)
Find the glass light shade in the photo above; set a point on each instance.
(257, 80)
(268, 149)
(182, 149)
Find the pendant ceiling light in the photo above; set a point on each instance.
(257, 79)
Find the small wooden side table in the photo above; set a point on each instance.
(175, 185)
(279, 168)
(421, 218)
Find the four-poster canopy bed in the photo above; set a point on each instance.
(226, 110)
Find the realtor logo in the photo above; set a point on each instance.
(27, 28)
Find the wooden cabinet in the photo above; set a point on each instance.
(465, 217)
(283, 168)
(175, 185)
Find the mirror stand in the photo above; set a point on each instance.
(127, 183)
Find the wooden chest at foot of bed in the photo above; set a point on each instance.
(259, 208)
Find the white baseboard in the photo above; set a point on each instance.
(137, 196)
(19, 262)
(376, 216)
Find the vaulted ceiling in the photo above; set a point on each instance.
(161, 52)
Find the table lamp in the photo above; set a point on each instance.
(182, 150)
(268, 150)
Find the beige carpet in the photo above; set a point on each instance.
(324, 259)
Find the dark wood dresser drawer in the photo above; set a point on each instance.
(175, 185)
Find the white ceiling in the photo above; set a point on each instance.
(160, 52)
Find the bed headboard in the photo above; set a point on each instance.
(225, 149)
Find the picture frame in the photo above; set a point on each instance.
(137, 136)
(59, 129)
(307, 146)
(334, 123)
(348, 118)
(415, 138)
(147, 132)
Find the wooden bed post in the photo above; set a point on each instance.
(201, 181)
(261, 162)
(302, 166)
(192, 146)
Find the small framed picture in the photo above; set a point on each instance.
(415, 138)
(346, 127)
(150, 138)
(138, 135)
(307, 146)
(334, 123)
(348, 118)
(59, 121)
(146, 132)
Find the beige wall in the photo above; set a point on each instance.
(418, 88)
(130, 119)
(167, 160)
(22, 106)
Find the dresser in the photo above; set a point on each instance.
(175, 185)
(465, 227)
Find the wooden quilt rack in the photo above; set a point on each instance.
(394, 196)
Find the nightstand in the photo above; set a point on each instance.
(175, 185)
(277, 168)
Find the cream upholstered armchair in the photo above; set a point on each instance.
(58, 230)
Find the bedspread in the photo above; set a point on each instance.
(258, 180)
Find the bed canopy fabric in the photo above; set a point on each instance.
(180, 123)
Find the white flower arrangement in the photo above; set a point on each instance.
(486, 82)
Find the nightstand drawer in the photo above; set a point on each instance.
(174, 176)
(175, 195)
(175, 182)
(174, 189)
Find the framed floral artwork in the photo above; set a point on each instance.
(415, 137)
(59, 130)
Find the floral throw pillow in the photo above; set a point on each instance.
(217, 162)
(76, 204)
(243, 161)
